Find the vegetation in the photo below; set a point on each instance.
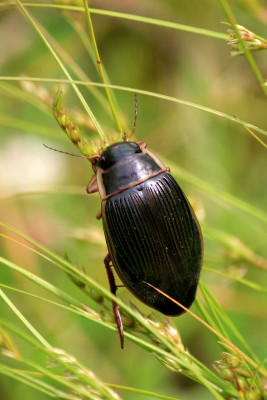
(68, 77)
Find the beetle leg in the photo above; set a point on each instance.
(99, 214)
(113, 289)
(92, 186)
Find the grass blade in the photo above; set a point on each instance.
(99, 65)
(144, 92)
(80, 96)
(131, 17)
(231, 18)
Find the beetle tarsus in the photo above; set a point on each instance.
(113, 289)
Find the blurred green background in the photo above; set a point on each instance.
(221, 153)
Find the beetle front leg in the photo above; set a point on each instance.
(99, 214)
(113, 289)
(92, 185)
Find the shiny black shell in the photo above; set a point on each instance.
(152, 235)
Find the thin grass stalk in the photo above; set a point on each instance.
(38, 384)
(76, 69)
(18, 93)
(242, 281)
(179, 173)
(250, 131)
(77, 388)
(218, 334)
(87, 45)
(80, 96)
(99, 65)
(231, 18)
(211, 191)
(143, 92)
(216, 322)
(96, 318)
(34, 332)
(227, 321)
(130, 17)
(57, 354)
(245, 252)
(212, 378)
(196, 374)
(141, 392)
(70, 269)
(217, 382)
(32, 382)
(22, 125)
(234, 244)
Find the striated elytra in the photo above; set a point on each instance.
(151, 231)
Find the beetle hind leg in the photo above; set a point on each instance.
(113, 289)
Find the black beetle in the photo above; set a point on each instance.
(152, 234)
(151, 231)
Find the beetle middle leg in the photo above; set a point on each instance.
(113, 289)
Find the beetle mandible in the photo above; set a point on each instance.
(151, 230)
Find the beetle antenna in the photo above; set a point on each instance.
(135, 116)
(71, 154)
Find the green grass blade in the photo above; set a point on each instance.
(100, 97)
(131, 17)
(216, 322)
(22, 125)
(146, 93)
(231, 18)
(77, 70)
(20, 94)
(221, 314)
(141, 392)
(201, 374)
(181, 175)
(24, 320)
(57, 354)
(83, 391)
(30, 381)
(80, 96)
(245, 282)
(235, 245)
(99, 65)
(209, 189)
(226, 342)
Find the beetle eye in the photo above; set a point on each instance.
(136, 147)
(102, 161)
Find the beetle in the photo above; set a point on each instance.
(151, 230)
(152, 234)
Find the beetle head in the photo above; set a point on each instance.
(117, 152)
